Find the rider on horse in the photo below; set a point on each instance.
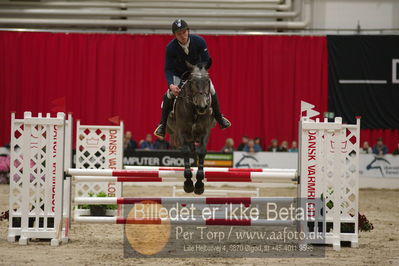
(185, 48)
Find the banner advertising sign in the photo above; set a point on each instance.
(175, 158)
(386, 166)
(288, 160)
(219, 159)
(156, 158)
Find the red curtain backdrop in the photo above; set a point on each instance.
(389, 136)
(260, 80)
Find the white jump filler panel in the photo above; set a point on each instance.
(98, 147)
(36, 183)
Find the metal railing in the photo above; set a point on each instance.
(157, 15)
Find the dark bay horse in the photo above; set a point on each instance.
(190, 124)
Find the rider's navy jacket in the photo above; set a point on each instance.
(175, 64)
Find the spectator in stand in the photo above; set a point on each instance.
(5, 164)
(283, 147)
(129, 145)
(273, 146)
(294, 146)
(5, 151)
(396, 151)
(147, 143)
(366, 149)
(258, 142)
(161, 144)
(380, 148)
(252, 147)
(228, 146)
(243, 143)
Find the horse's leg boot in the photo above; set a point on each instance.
(199, 185)
(188, 184)
(222, 121)
(166, 108)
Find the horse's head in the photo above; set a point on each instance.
(199, 88)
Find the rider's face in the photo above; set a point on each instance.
(182, 36)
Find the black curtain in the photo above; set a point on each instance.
(362, 80)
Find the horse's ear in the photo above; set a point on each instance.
(208, 64)
(190, 66)
(201, 65)
(205, 65)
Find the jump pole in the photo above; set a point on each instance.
(109, 175)
(181, 200)
(213, 169)
(158, 179)
(194, 221)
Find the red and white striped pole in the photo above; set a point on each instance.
(212, 169)
(181, 200)
(109, 175)
(192, 221)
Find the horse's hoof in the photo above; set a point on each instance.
(188, 186)
(199, 187)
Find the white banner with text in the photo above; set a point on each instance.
(386, 166)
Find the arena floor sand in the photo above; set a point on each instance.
(93, 244)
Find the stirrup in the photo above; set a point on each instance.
(225, 123)
(160, 131)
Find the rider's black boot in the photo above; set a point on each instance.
(222, 121)
(166, 108)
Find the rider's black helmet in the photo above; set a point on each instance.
(179, 25)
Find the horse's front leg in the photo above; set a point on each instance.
(199, 185)
(188, 184)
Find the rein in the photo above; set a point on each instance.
(182, 94)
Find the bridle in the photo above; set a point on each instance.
(189, 98)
